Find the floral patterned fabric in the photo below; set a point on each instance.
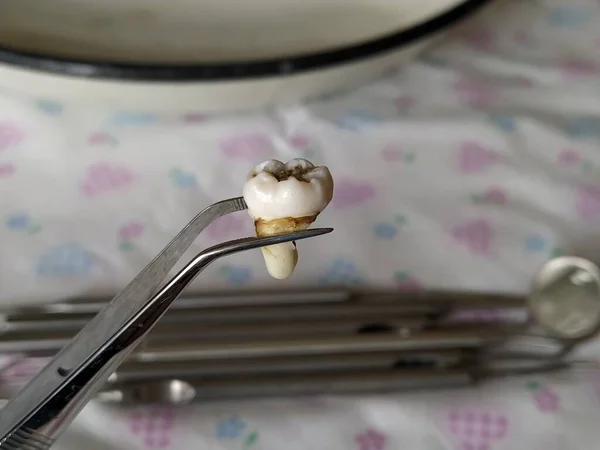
(466, 169)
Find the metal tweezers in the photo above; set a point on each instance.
(46, 406)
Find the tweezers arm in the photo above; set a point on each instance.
(46, 388)
(58, 411)
(45, 421)
(84, 385)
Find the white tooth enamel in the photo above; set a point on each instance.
(305, 193)
(270, 199)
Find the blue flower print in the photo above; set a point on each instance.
(65, 260)
(536, 243)
(50, 107)
(182, 179)
(568, 17)
(230, 428)
(434, 61)
(385, 231)
(505, 123)
(22, 222)
(356, 120)
(342, 271)
(329, 95)
(584, 127)
(236, 275)
(19, 221)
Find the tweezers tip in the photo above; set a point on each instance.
(320, 231)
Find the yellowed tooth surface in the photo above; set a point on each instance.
(283, 198)
(280, 259)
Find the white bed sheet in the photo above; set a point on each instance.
(465, 170)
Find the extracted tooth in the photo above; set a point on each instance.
(283, 198)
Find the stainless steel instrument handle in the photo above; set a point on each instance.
(47, 420)
(111, 319)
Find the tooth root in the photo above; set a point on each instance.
(280, 259)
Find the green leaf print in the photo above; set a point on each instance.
(587, 166)
(35, 228)
(400, 219)
(251, 439)
(401, 276)
(126, 246)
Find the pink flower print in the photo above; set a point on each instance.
(226, 226)
(246, 146)
(523, 82)
(10, 361)
(101, 178)
(128, 233)
(195, 117)
(7, 169)
(568, 158)
(474, 157)
(306, 147)
(588, 201)
(101, 138)
(476, 235)
(404, 102)
(154, 426)
(474, 93)
(22, 371)
(371, 440)
(544, 398)
(477, 430)
(407, 284)
(300, 141)
(523, 37)
(578, 68)
(10, 134)
(393, 153)
(494, 195)
(349, 192)
(479, 39)
(131, 231)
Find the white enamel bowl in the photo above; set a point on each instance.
(210, 55)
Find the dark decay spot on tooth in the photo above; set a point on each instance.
(297, 173)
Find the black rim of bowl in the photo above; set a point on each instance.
(241, 69)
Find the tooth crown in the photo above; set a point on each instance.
(275, 190)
